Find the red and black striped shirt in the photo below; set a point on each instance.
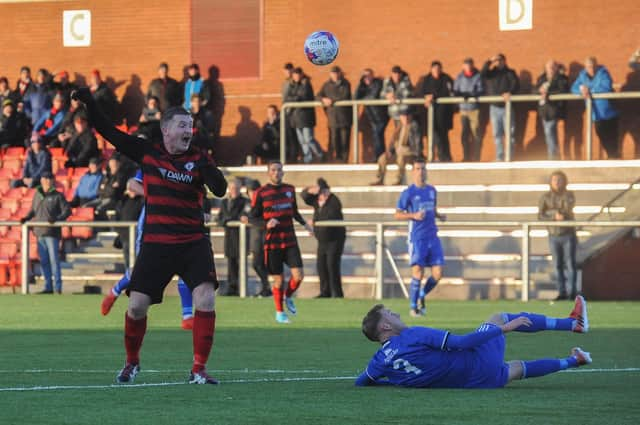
(279, 202)
(173, 184)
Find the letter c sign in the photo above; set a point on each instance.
(515, 15)
(76, 28)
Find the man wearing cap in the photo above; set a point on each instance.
(396, 88)
(340, 117)
(38, 161)
(164, 88)
(327, 206)
(435, 85)
(48, 205)
(103, 95)
(405, 146)
(500, 80)
(469, 84)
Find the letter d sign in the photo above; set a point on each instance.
(76, 28)
(515, 14)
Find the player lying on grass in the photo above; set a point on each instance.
(432, 358)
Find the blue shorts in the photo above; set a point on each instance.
(489, 368)
(426, 253)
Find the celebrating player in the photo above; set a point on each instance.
(421, 357)
(175, 239)
(275, 203)
(417, 204)
(135, 186)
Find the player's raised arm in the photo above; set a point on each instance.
(130, 146)
(298, 217)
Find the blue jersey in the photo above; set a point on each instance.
(414, 199)
(421, 358)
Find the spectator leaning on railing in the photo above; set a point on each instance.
(500, 80)
(48, 205)
(435, 85)
(164, 88)
(370, 87)
(469, 84)
(396, 88)
(551, 81)
(340, 118)
(595, 78)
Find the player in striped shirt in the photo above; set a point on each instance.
(175, 240)
(275, 203)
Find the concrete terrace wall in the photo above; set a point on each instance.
(130, 38)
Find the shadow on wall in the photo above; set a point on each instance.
(233, 150)
(133, 100)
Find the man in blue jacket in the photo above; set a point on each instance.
(469, 84)
(595, 78)
(88, 186)
(38, 161)
(193, 85)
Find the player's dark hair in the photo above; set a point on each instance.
(371, 321)
(273, 161)
(172, 112)
(274, 107)
(419, 160)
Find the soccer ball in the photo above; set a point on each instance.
(321, 48)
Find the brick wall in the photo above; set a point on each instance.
(131, 38)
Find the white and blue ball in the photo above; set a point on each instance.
(321, 48)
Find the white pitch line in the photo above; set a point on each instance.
(252, 380)
(171, 384)
(82, 371)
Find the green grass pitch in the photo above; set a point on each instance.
(60, 356)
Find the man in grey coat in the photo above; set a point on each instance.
(48, 205)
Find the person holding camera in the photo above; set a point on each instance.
(48, 205)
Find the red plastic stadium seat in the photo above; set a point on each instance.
(86, 213)
(56, 152)
(5, 214)
(15, 273)
(5, 185)
(79, 172)
(8, 250)
(13, 152)
(11, 204)
(14, 165)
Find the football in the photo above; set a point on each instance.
(321, 48)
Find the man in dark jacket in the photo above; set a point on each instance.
(48, 205)
(13, 126)
(339, 118)
(435, 85)
(370, 87)
(25, 85)
(165, 88)
(213, 99)
(38, 161)
(293, 150)
(103, 95)
(233, 208)
(112, 187)
(327, 206)
(269, 147)
(557, 205)
(552, 81)
(303, 119)
(500, 80)
(63, 86)
(256, 245)
(38, 101)
(203, 125)
(83, 144)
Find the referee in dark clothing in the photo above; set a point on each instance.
(327, 206)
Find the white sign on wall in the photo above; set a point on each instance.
(515, 14)
(76, 28)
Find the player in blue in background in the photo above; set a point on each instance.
(135, 185)
(421, 357)
(418, 204)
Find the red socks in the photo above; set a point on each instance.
(134, 331)
(204, 324)
(277, 298)
(292, 287)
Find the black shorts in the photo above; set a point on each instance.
(275, 258)
(158, 263)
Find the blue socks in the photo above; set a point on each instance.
(541, 322)
(122, 284)
(414, 292)
(535, 368)
(185, 299)
(428, 287)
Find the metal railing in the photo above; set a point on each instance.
(380, 245)
(379, 268)
(516, 98)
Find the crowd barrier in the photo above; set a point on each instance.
(378, 271)
(516, 98)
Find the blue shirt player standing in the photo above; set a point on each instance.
(418, 204)
(420, 357)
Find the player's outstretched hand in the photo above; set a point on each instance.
(516, 323)
(83, 94)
